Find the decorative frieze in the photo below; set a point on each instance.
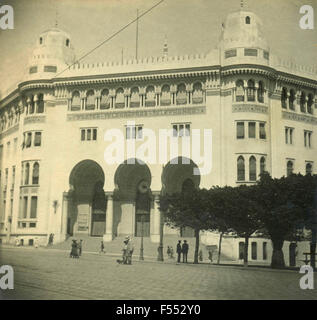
(299, 117)
(249, 108)
(118, 114)
(34, 119)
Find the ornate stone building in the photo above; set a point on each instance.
(54, 177)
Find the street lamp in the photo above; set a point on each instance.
(142, 230)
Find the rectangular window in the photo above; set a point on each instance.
(286, 135)
(94, 134)
(83, 134)
(230, 53)
(254, 255)
(291, 135)
(266, 55)
(33, 207)
(251, 52)
(134, 132)
(181, 130)
(6, 177)
(25, 207)
(289, 132)
(240, 130)
(37, 139)
(13, 176)
(88, 134)
(307, 138)
(262, 130)
(264, 250)
(251, 129)
(28, 140)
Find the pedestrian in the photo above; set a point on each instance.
(179, 251)
(168, 252)
(74, 250)
(80, 247)
(102, 247)
(210, 255)
(36, 243)
(172, 252)
(124, 251)
(200, 254)
(130, 250)
(185, 249)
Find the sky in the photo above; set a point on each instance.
(191, 26)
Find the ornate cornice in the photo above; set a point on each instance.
(299, 117)
(118, 114)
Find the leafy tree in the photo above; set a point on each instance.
(286, 203)
(188, 209)
(242, 212)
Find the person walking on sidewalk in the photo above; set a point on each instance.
(179, 251)
(102, 247)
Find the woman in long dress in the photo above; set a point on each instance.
(74, 250)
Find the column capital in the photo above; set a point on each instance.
(109, 194)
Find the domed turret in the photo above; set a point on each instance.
(243, 39)
(53, 53)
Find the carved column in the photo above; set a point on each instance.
(156, 218)
(64, 215)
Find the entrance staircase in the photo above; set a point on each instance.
(150, 249)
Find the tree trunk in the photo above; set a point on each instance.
(219, 251)
(196, 246)
(246, 250)
(277, 256)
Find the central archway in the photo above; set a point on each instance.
(133, 181)
(88, 212)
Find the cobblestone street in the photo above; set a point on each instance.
(51, 274)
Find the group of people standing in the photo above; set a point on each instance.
(182, 249)
(76, 249)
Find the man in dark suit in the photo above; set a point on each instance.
(179, 251)
(185, 251)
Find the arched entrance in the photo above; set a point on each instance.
(133, 182)
(88, 210)
(178, 176)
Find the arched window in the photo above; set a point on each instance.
(105, 99)
(75, 105)
(119, 98)
(181, 95)
(290, 168)
(252, 168)
(27, 173)
(310, 103)
(291, 99)
(41, 40)
(247, 20)
(35, 173)
(261, 92)
(284, 98)
(90, 102)
(197, 93)
(239, 91)
(241, 169)
(135, 98)
(309, 168)
(251, 91)
(302, 102)
(262, 165)
(166, 95)
(40, 104)
(67, 42)
(150, 96)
